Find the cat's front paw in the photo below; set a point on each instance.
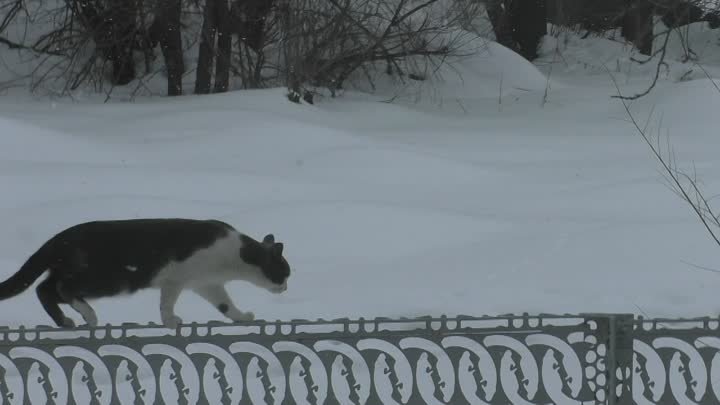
(67, 323)
(243, 317)
(172, 322)
(249, 317)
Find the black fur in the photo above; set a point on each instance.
(106, 258)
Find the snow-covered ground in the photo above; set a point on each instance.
(469, 196)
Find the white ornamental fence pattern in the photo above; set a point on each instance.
(521, 360)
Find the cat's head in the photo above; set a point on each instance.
(267, 256)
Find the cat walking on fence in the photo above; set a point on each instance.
(118, 257)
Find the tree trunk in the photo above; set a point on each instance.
(257, 11)
(222, 64)
(207, 49)
(499, 17)
(528, 26)
(171, 44)
(123, 27)
(638, 25)
(518, 24)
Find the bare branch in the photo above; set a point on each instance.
(661, 62)
(693, 196)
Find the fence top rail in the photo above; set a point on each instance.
(665, 325)
(439, 323)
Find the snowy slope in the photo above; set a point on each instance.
(454, 204)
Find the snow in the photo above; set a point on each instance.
(475, 194)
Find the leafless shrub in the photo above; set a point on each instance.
(324, 42)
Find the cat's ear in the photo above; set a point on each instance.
(277, 249)
(269, 239)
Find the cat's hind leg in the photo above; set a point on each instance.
(85, 310)
(47, 293)
(69, 296)
(218, 297)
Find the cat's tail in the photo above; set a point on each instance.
(33, 268)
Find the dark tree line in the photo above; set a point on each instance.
(307, 42)
(303, 42)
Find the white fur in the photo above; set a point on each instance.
(85, 311)
(217, 295)
(206, 272)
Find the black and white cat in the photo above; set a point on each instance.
(110, 258)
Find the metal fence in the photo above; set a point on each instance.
(548, 359)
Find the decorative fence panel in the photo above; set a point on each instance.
(564, 360)
(675, 362)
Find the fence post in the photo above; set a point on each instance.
(616, 332)
(621, 349)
